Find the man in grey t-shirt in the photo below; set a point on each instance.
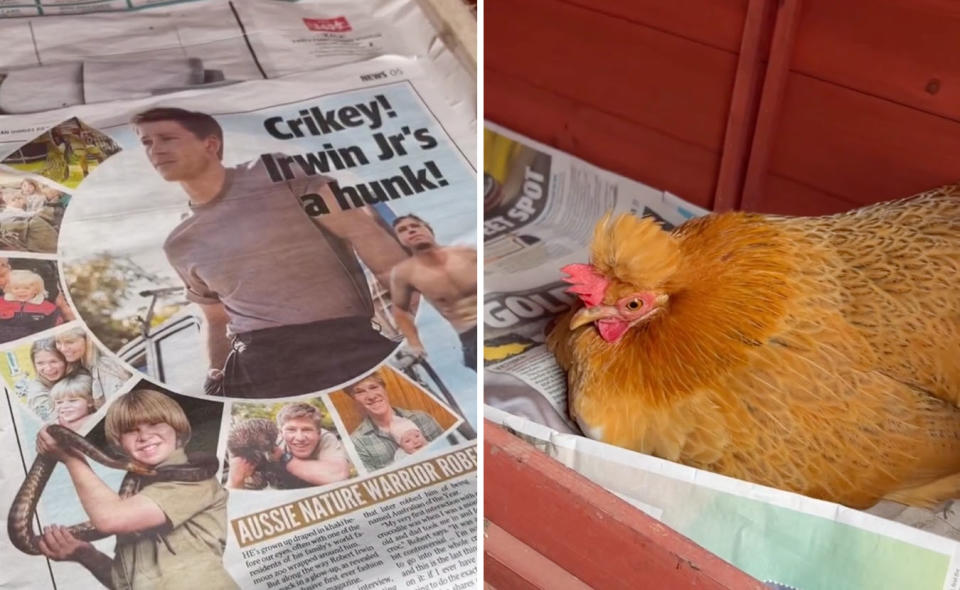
(286, 303)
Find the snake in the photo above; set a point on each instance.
(201, 466)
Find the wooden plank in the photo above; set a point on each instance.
(948, 8)
(861, 148)
(633, 150)
(785, 196)
(836, 147)
(775, 79)
(510, 564)
(597, 537)
(718, 24)
(744, 103)
(906, 52)
(641, 75)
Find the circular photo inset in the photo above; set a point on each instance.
(199, 264)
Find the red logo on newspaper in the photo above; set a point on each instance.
(328, 25)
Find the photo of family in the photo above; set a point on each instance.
(30, 215)
(64, 377)
(284, 446)
(289, 303)
(389, 418)
(164, 524)
(30, 298)
(66, 153)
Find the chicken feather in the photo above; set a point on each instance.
(817, 355)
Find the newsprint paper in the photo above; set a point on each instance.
(540, 206)
(237, 297)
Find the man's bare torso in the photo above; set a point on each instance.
(448, 280)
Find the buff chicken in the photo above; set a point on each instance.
(819, 355)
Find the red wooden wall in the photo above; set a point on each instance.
(787, 106)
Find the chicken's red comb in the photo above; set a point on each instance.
(588, 284)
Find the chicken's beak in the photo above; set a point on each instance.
(592, 314)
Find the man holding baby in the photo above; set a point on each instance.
(387, 433)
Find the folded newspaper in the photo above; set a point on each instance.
(237, 296)
(540, 206)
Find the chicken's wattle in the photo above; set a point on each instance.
(611, 329)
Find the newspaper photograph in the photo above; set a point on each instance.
(30, 221)
(784, 539)
(238, 325)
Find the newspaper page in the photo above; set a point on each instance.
(238, 313)
(540, 206)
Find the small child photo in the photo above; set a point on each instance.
(174, 523)
(31, 299)
(30, 215)
(408, 437)
(15, 203)
(72, 399)
(26, 308)
(32, 368)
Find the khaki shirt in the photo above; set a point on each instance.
(185, 553)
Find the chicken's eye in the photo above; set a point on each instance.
(634, 304)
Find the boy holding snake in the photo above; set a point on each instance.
(170, 534)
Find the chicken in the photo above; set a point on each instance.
(816, 355)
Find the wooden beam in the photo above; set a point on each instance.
(857, 147)
(622, 146)
(916, 43)
(775, 79)
(511, 564)
(713, 23)
(641, 75)
(744, 103)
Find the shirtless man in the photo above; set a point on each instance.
(446, 276)
(287, 308)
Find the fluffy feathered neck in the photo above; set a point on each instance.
(727, 277)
